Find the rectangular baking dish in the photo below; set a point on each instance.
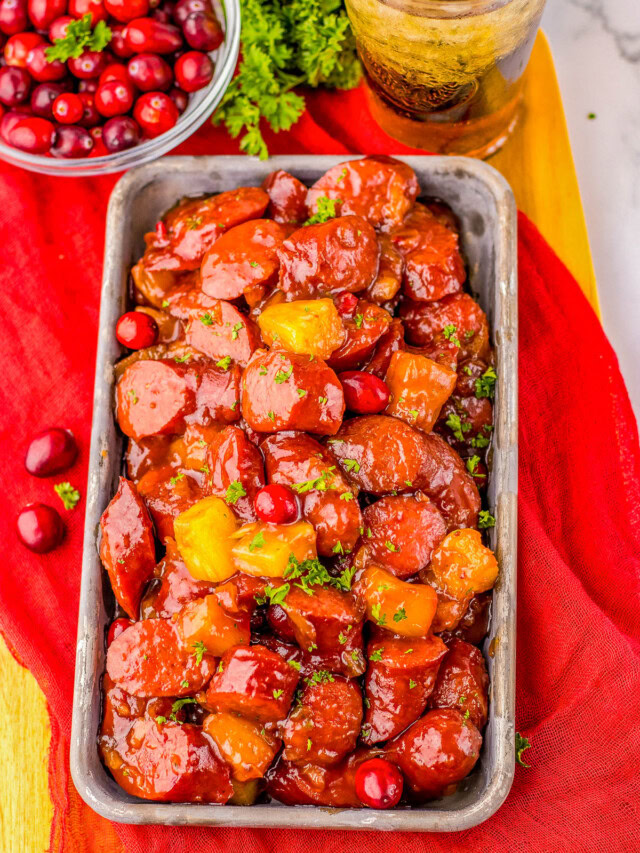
(485, 206)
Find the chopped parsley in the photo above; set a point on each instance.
(206, 319)
(180, 359)
(277, 693)
(457, 427)
(346, 496)
(376, 655)
(380, 618)
(358, 319)
(262, 371)
(450, 333)
(80, 36)
(67, 494)
(175, 479)
(274, 595)
(224, 363)
(486, 520)
(235, 330)
(341, 638)
(351, 465)
(311, 573)
(301, 392)
(161, 720)
(486, 384)
(472, 467)
(322, 676)
(235, 491)
(271, 416)
(256, 542)
(412, 684)
(390, 546)
(320, 483)
(522, 743)
(400, 614)
(200, 650)
(282, 375)
(326, 210)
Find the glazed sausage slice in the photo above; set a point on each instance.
(400, 678)
(127, 548)
(315, 785)
(235, 471)
(436, 752)
(389, 278)
(425, 323)
(218, 394)
(463, 683)
(172, 587)
(153, 398)
(288, 391)
(246, 256)
(341, 254)
(391, 341)
(379, 188)
(254, 682)
(287, 197)
(474, 624)
(167, 492)
(324, 726)
(221, 330)
(388, 454)
(348, 663)
(364, 330)
(149, 659)
(444, 478)
(402, 532)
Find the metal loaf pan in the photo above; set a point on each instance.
(484, 203)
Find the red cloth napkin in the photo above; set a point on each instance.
(579, 563)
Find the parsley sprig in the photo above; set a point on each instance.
(79, 37)
(67, 494)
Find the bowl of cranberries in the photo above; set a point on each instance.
(95, 86)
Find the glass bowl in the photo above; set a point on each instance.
(201, 106)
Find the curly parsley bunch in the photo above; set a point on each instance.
(285, 43)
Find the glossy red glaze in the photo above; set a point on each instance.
(172, 587)
(444, 478)
(379, 783)
(364, 329)
(116, 628)
(136, 330)
(234, 466)
(51, 452)
(287, 197)
(364, 393)
(424, 323)
(463, 683)
(276, 504)
(40, 528)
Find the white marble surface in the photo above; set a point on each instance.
(596, 46)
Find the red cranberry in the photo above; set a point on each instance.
(88, 65)
(184, 8)
(88, 86)
(202, 31)
(32, 134)
(9, 120)
(156, 113)
(114, 98)
(68, 108)
(99, 148)
(90, 115)
(162, 15)
(114, 71)
(194, 70)
(116, 628)
(15, 84)
(43, 96)
(150, 73)
(13, 16)
(42, 70)
(276, 504)
(44, 12)
(58, 28)
(127, 10)
(95, 8)
(179, 98)
(18, 46)
(71, 141)
(117, 44)
(145, 35)
(136, 330)
(346, 303)
(40, 528)
(52, 451)
(120, 133)
(378, 783)
(364, 393)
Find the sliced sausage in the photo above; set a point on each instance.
(288, 391)
(221, 330)
(327, 622)
(167, 492)
(218, 394)
(314, 784)
(443, 478)
(153, 398)
(172, 587)
(390, 269)
(364, 330)
(235, 471)
(341, 254)
(456, 315)
(391, 341)
(463, 683)
(287, 197)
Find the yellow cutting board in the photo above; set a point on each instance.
(537, 162)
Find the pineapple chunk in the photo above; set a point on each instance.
(403, 608)
(309, 326)
(419, 389)
(202, 536)
(205, 621)
(263, 550)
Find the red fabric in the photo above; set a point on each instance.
(579, 560)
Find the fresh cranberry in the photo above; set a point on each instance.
(18, 46)
(114, 71)
(58, 28)
(184, 8)
(95, 8)
(15, 84)
(32, 134)
(162, 15)
(179, 98)
(156, 113)
(52, 451)
(88, 65)
(378, 783)
(89, 87)
(41, 69)
(202, 31)
(114, 98)
(136, 330)
(99, 148)
(90, 115)
(276, 504)
(364, 393)
(118, 44)
(117, 627)
(150, 73)
(145, 35)
(43, 96)
(44, 12)
(194, 70)
(120, 133)
(13, 16)
(71, 141)
(40, 528)
(9, 120)
(68, 108)
(127, 10)
(346, 303)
